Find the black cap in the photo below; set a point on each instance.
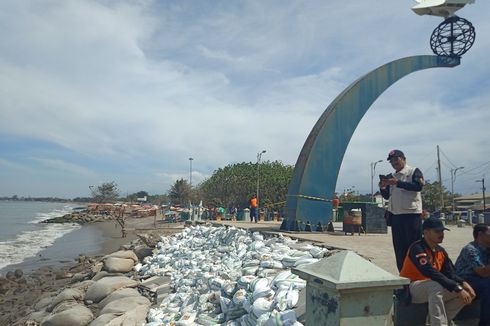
(433, 223)
(395, 153)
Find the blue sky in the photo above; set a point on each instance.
(127, 91)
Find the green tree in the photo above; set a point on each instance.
(180, 192)
(235, 184)
(431, 197)
(134, 197)
(106, 192)
(158, 199)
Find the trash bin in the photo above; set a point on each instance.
(353, 222)
(340, 214)
(239, 216)
(246, 214)
(481, 218)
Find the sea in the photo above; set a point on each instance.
(27, 244)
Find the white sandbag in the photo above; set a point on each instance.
(262, 292)
(280, 277)
(66, 294)
(118, 294)
(125, 254)
(239, 296)
(271, 264)
(318, 252)
(281, 318)
(305, 261)
(258, 283)
(78, 315)
(118, 265)
(125, 304)
(261, 306)
(102, 288)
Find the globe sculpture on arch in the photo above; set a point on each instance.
(311, 191)
(453, 37)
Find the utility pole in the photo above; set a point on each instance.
(373, 172)
(483, 188)
(440, 179)
(453, 179)
(259, 155)
(190, 170)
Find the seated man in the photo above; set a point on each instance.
(433, 276)
(473, 266)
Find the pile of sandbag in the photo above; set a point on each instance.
(228, 276)
(104, 297)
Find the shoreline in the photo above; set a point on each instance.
(41, 276)
(94, 239)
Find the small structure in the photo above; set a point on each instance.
(346, 289)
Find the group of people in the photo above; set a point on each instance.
(446, 287)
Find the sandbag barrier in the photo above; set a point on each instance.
(224, 275)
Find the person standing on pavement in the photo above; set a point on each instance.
(253, 209)
(473, 265)
(403, 190)
(433, 278)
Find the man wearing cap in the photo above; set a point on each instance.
(433, 276)
(402, 189)
(473, 265)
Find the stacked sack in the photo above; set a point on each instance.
(228, 276)
(105, 296)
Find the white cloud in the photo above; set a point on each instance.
(141, 86)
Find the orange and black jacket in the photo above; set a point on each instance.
(423, 263)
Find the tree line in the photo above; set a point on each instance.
(234, 184)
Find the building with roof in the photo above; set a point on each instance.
(474, 202)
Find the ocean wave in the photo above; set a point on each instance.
(30, 243)
(52, 214)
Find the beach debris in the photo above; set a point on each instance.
(225, 275)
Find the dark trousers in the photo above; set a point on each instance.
(482, 288)
(253, 214)
(405, 230)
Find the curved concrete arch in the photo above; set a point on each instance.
(316, 170)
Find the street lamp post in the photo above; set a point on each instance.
(259, 156)
(190, 171)
(373, 172)
(453, 179)
(483, 189)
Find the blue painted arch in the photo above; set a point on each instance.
(316, 170)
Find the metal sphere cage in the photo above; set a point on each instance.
(453, 37)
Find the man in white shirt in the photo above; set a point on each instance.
(403, 190)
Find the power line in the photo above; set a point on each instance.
(472, 169)
(430, 167)
(444, 154)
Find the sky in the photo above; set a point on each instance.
(128, 91)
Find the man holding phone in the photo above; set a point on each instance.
(402, 189)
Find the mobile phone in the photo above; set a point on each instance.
(383, 177)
